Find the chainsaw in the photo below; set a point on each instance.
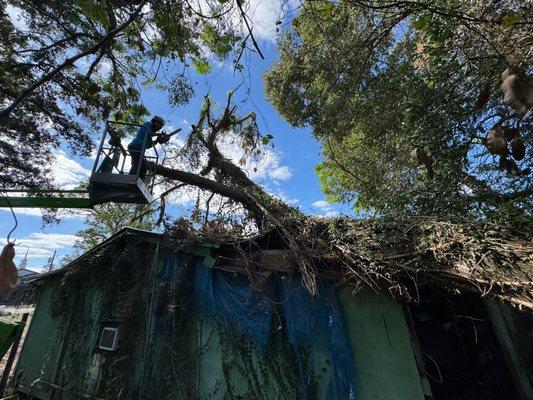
(165, 137)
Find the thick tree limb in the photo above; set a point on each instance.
(212, 186)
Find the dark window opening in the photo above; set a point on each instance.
(460, 353)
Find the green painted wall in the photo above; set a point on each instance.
(58, 352)
(379, 336)
(42, 348)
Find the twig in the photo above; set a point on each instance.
(250, 34)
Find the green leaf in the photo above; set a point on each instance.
(266, 139)
(421, 24)
(220, 44)
(510, 19)
(201, 66)
(95, 12)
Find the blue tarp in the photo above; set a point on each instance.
(310, 324)
(229, 297)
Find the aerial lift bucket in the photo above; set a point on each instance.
(112, 179)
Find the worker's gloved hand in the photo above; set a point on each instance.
(163, 138)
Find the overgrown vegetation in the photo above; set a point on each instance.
(377, 79)
(155, 309)
(66, 66)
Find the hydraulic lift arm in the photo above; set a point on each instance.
(45, 199)
(111, 179)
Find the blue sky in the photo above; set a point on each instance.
(288, 170)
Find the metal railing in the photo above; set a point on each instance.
(113, 155)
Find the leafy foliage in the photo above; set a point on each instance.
(66, 66)
(106, 220)
(376, 79)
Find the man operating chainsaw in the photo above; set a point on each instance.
(147, 132)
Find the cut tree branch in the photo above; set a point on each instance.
(212, 186)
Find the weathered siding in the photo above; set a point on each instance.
(59, 352)
(379, 336)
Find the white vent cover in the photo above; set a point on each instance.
(109, 339)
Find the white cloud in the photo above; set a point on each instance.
(320, 204)
(68, 173)
(265, 167)
(264, 14)
(16, 15)
(282, 173)
(325, 209)
(42, 245)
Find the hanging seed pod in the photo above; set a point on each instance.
(518, 149)
(511, 168)
(517, 89)
(483, 98)
(495, 142)
(421, 156)
(510, 133)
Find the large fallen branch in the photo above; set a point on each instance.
(393, 254)
(210, 185)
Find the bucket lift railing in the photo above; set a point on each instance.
(113, 153)
(110, 180)
(110, 170)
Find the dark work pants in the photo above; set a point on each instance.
(135, 160)
(109, 161)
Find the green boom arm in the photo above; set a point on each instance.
(46, 199)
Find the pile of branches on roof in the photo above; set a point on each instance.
(400, 254)
(397, 255)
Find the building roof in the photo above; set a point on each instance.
(395, 255)
(124, 232)
(24, 272)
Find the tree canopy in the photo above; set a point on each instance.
(377, 80)
(106, 220)
(66, 66)
(405, 98)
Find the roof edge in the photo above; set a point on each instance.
(126, 231)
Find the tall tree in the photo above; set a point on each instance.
(402, 96)
(105, 220)
(66, 66)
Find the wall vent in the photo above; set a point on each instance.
(109, 339)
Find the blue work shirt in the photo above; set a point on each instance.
(137, 142)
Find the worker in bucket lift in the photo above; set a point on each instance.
(148, 131)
